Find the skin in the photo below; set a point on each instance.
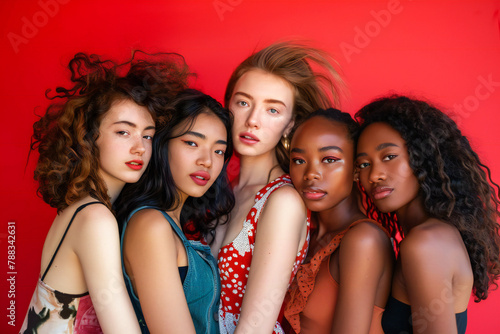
(433, 272)
(322, 170)
(153, 265)
(262, 106)
(125, 134)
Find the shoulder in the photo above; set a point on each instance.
(148, 223)
(366, 236)
(430, 237)
(95, 217)
(286, 196)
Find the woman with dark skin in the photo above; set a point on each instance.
(422, 177)
(350, 260)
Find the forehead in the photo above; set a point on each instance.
(261, 84)
(321, 131)
(127, 110)
(206, 123)
(377, 133)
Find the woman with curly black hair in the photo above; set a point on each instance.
(93, 140)
(422, 178)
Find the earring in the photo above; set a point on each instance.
(285, 141)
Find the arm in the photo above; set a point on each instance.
(216, 243)
(150, 249)
(365, 270)
(281, 227)
(428, 272)
(98, 250)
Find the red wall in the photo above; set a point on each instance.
(446, 51)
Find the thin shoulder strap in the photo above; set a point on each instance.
(80, 208)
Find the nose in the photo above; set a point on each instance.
(377, 173)
(311, 173)
(138, 147)
(205, 158)
(252, 120)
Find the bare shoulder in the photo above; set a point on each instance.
(431, 237)
(366, 235)
(95, 217)
(286, 197)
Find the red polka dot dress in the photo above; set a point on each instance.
(235, 258)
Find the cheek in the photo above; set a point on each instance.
(296, 174)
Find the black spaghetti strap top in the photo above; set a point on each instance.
(80, 208)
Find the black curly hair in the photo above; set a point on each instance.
(455, 185)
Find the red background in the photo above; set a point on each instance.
(445, 51)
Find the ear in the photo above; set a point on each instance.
(356, 174)
(289, 127)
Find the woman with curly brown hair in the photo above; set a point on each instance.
(90, 145)
(423, 179)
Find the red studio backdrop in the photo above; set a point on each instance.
(447, 52)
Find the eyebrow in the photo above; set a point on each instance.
(151, 127)
(322, 149)
(378, 148)
(202, 136)
(266, 100)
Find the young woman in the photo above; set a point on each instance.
(423, 177)
(90, 145)
(174, 283)
(344, 286)
(267, 94)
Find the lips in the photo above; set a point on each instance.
(248, 138)
(201, 177)
(313, 193)
(135, 164)
(381, 192)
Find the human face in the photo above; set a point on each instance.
(384, 168)
(262, 106)
(125, 137)
(322, 163)
(196, 158)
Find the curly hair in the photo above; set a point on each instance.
(455, 185)
(293, 62)
(157, 187)
(65, 136)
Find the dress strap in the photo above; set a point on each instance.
(80, 208)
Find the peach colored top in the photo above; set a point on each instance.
(307, 309)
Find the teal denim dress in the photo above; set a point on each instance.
(201, 285)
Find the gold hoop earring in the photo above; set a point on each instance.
(285, 141)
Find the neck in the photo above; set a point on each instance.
(411, 215)
(176, 213)
(339, 217)
(114, 191)
(254, 170)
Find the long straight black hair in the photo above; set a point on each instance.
(157, 187)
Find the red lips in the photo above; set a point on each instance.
(135, 164)
(201, 177)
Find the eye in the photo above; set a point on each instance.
(330, 160)
(242, 103)
(363, 165)
(273, 111)
(219, 152)
(122, 133)
(298, 161)
(190, 143)
(148, 137)
(389, 157)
